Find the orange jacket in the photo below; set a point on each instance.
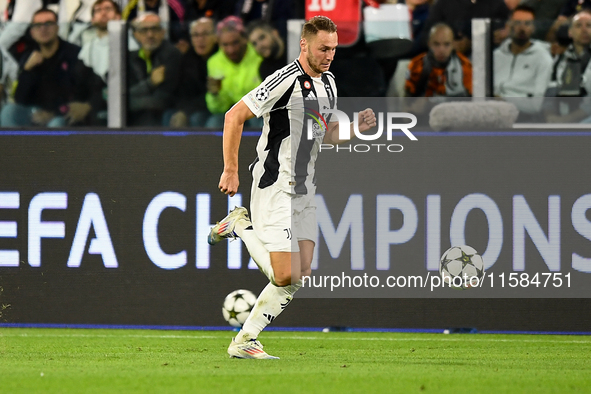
(458, 71)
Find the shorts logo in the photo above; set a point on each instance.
(262, 94)
(307, 85)
(288, 231)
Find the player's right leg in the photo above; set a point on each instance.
(237, 224)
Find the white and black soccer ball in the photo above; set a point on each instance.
(237, 306)
(461, 267)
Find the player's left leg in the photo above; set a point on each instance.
(271, 303)
(274, 298)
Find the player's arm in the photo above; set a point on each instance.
(233, 125)
(366, 120)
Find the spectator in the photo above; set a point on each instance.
(8, 74)
(275, 12)
(568, 10)
(21, 18)
(153, 75)
(500, 34)
(171, 13)
(546, 12)
(571, 75)
(98, 24)
(267, 42)
(232, 72)
(74, 17)
(95, 53)
(459, 14)
(46, 82)
(440, 71)
(92, 73)
(191, 106)
(522, 67)
(9, 67)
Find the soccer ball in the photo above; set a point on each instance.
(237, 306)
(461, 267)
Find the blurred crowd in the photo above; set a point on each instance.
(189, 61)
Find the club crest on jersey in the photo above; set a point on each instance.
(307, 85)
(262, 94)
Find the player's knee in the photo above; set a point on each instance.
(286, 278)
(306, 272)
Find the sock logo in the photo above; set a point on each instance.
(269, 317)
(287, 301)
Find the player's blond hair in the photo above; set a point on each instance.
(316, 24)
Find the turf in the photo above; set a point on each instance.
(149, 361)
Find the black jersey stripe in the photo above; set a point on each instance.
(304, 149)
(277, 82)
(303, 156)
(280, 129)
(297, 63)
(281, 73)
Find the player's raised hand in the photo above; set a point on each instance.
(367, 119)
(229, 183)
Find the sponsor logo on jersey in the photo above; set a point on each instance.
(319, 128)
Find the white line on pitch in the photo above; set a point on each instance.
(327, 338)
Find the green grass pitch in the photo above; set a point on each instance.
(149, 361)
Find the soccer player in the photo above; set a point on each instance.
(283, 230)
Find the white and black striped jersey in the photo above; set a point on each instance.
(287, 150)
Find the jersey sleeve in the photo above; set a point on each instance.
(262, 99)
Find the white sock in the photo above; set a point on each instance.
(271, 302)
(255, 247)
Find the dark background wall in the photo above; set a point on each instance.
(128, 170)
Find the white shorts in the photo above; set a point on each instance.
(281, 219)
